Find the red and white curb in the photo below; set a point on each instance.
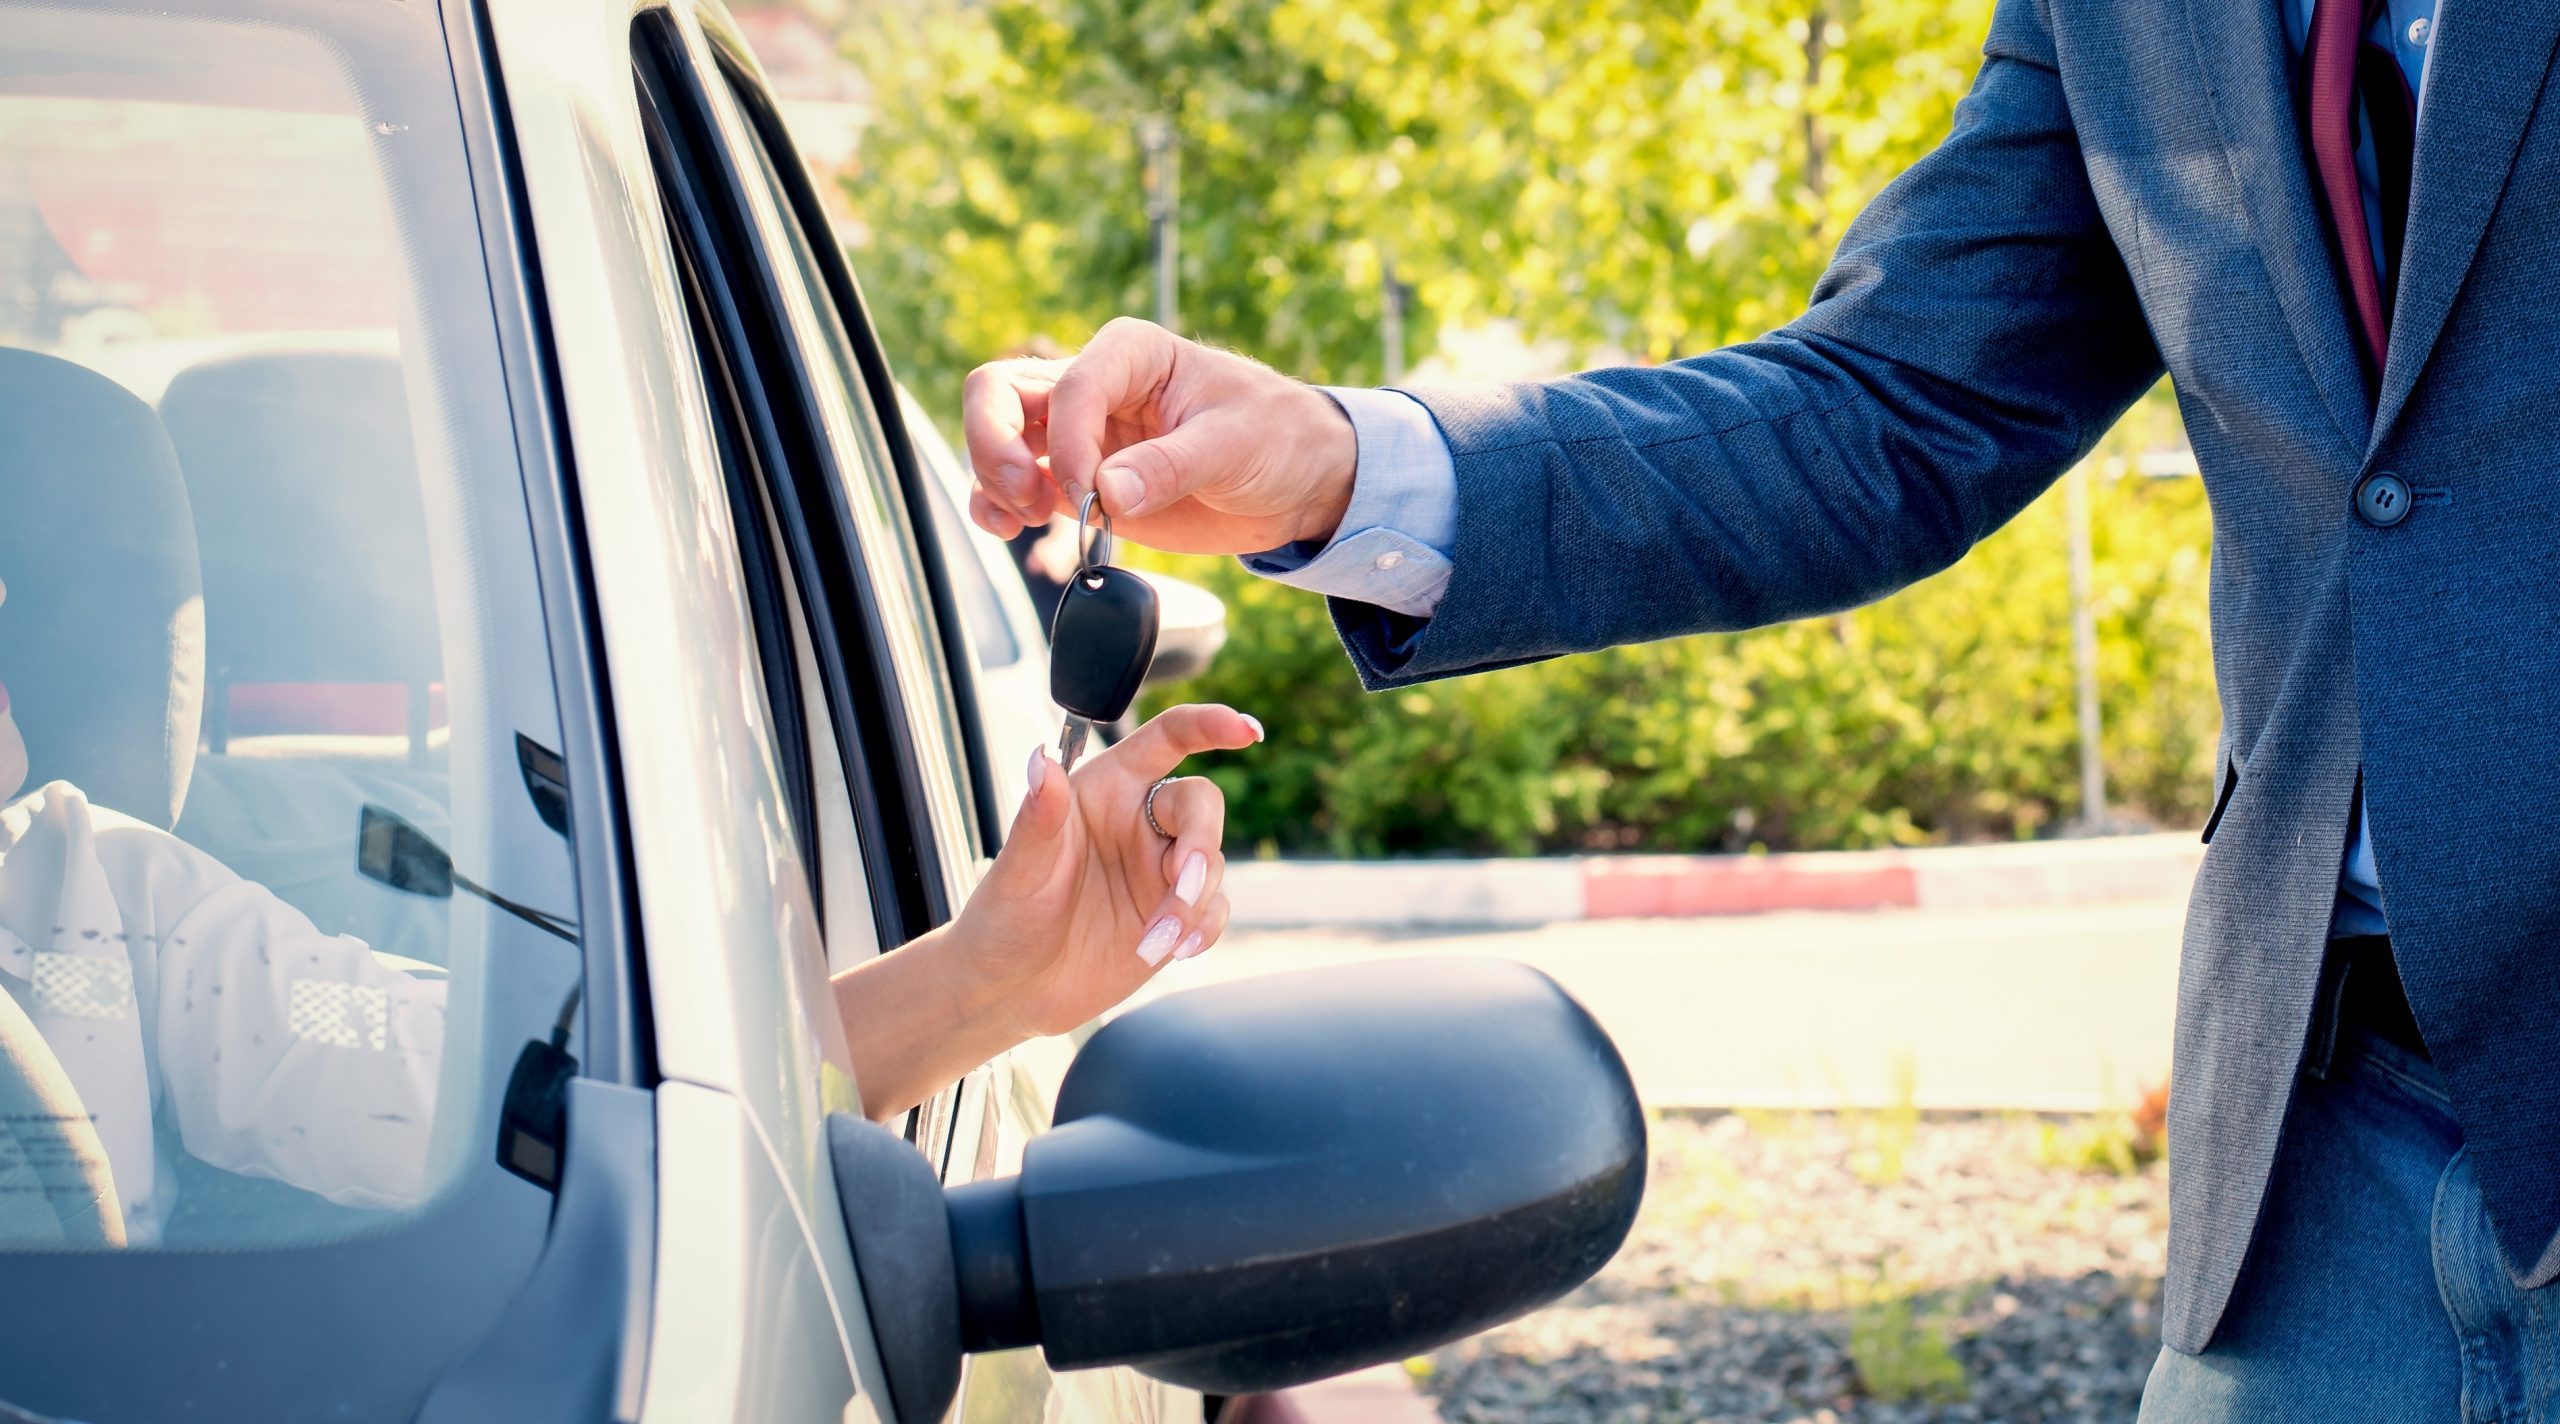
(1422, 894)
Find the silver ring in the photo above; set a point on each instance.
(1150, 807)
(1089, 539)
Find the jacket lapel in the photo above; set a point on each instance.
(2246, 62)
(2483, 75)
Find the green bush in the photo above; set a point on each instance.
(1942, 714)
(1632, 179)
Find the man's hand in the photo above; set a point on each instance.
(1194, 450)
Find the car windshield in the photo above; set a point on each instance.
(281, 893)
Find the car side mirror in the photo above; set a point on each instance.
(1191, 626)
(1257, 1184)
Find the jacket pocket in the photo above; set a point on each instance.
(2222, 799)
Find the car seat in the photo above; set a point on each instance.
(102, 635)
(102, 640)
(318, 591)
(299, 464)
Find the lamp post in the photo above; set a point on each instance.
(1393, 294)
(2084, 649)
(1164, 210)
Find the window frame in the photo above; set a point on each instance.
(797, 467)
(843, 294)
(599, 1236)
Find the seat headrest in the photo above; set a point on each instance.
(305, 487)
(102, 635)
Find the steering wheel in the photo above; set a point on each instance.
(55, 1186)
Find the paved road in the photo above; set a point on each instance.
(2060, 1009)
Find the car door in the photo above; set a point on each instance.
(879, 594)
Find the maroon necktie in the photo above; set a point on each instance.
(2344, 68)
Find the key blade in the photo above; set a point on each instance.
(1071, 741)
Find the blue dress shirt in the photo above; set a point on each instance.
(1393, 546)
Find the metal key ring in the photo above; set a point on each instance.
(1150, 806)
(1086, 542)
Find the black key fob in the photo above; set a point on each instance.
(1101, 642)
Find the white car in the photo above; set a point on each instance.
(456, 519)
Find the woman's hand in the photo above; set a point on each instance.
(1084, 905)
(1088, 901)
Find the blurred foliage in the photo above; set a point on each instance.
(1639, 176)
(1901, 1351)
(1885, 1134)
(2111, 1143)
(1633, 178)
(1944, 713)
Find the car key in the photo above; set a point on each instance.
(1101, 640)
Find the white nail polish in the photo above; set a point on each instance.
(1255, 723)
(1039, 760)
(1159, 941)
(1194, 878)
(1190, 946)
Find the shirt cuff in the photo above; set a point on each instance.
(1393, 546)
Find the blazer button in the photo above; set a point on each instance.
(2382, 499)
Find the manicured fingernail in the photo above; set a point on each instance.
(1159, 940)
(1039, 764)
(1121, 490)
(1195, 876)
(1190, 946)
(1255, 723)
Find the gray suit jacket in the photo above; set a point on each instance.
(2126, 190)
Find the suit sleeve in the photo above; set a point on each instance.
(1973, 337)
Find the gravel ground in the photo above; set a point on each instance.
(1848, 1269)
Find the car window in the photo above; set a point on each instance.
(871, 486)
(285, 878)
(892, 508)
(886, 619)
(807, 752)
(845, 754)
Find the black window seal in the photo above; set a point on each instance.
(881, 761)
(864, 340)
(745, 476)
(746, 444)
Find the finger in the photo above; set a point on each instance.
(1043, 504)
(997, 403)
(1032, 846)
(1212, 925)
(1124, 364)
(1152, 474)
(1195, 812)
(1155, 749)
(987, 515)
(1173, 921)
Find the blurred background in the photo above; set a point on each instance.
(1882, 1191)
(1358, 192)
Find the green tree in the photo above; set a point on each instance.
(1944, 713)
(1630, 176)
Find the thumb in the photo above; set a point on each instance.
(1121, 369)
(1154, 474)
(1032, 847)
